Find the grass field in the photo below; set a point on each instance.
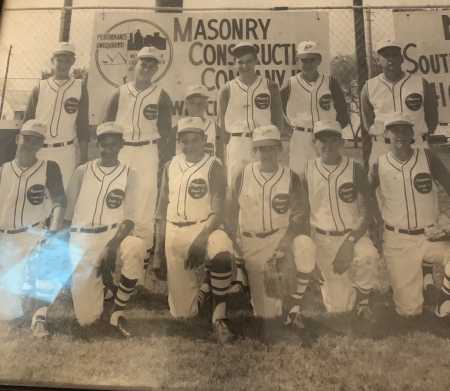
(338, 352)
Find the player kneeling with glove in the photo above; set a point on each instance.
(265, 219)
(101, 209)
(190, 210)
(338, 204)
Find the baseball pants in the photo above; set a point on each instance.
(337, 291)
(256, 252)
(87, 288)
(65, 157)
(239, 153)
(404, 255)
(301, 150)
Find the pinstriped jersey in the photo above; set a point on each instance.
(405, 95)
(24, 196)
(189, 189)
(309, 102)
(264, 203)
(408, 191)
(138, 112)
(332, 195)
(248, 106)
(58, 108)
(102, 196)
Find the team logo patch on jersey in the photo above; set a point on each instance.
(35, 194)
(280, 203)
(197, 188)
(71, 105)
(414, 101)
(150, 112)
(262, 101)
(325, 102)
(114, 199)
(423, 183)
(347, 192)
(209, 148)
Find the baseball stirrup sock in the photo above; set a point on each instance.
(220, 282)
(147, 260)
(302, 284)
(443, 307)
(126, 288)
(427, 271)
(205, 289)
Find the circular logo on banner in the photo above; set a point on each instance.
(423, 183)
(209, 148)
(414, 101)
(262, 101)
(117, 48)
(325, 102)
(35, 194)
(71, 105)
(197, 188)
(347, 192)
(280, 203)
(150, 112)
(114, 199)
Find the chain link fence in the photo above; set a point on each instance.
(31, 50)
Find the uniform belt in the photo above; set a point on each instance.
(419, 231)
(140, 143)
(388, 141)
(58, 144)
(260, 235)
(332, 233)
(18, 230)
(301, 129)
(186, 223)
(241, 134)
(95, 230)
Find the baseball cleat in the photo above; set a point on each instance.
(364, 313)
(120, 328)
(294, 319)
(442, 308)
(221, 331)
(39, 329)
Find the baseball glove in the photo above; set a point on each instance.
(280, 276)
(439, 231)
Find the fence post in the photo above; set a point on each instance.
(4, 82)
(369, 42)
(66, 18)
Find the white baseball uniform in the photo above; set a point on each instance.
(409, 203)
(99, 199)
(334, 209)
(27, 197)
(264, 206)
(63, 106)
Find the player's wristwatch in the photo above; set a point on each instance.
(351, 238)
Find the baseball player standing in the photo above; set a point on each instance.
(407, 179)
(62, 103)
(395, 91)
(308, 97)
(265, 216)
(338, 204)
(190, 210)
(245, 103)
(144, 110)
(30, 190)
(101, 211)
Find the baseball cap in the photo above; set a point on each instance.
(34, 127)
(308, 49)
(397, 118)
(64, 48)
(190, 124)
(243, 47)
(197, 90)
(149, 52)
(386, 43)
(327, 126)
(109, 128)
(266, 135)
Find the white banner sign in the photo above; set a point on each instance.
(425, 36)
(196, 50)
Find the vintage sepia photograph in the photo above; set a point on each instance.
(225, 195)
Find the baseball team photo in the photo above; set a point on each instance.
(225, 196)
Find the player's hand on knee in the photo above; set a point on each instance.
(343, 259)
(196, 253)
(107, 262)
(160, 265)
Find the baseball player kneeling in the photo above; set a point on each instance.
(190, 210)
(101, 207)
(406, 179)
(338, 195)
(30, 190)
(265, 217)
